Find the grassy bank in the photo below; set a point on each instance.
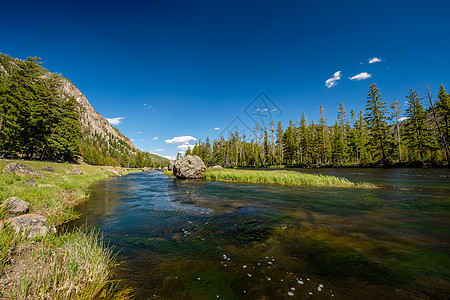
(70, 265)
(279, 177)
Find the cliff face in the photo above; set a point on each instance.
(93, 124)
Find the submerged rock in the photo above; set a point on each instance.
(189, 167)
(31, 225)
(16, 205)
(20, 169)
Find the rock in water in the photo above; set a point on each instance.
(189, 167)
(31, 225)
(20, 169)
(16, 205)
(165, 169)
(170, 166)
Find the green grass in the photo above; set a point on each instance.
(70, 265)
(290, 178)
(55, 203)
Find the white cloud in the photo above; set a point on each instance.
(169, 157)
(403, 119)
(374, 60)
(179, 140)
(159, 150)
(360, 76)
(155, 138)
(184, 147)
(329, 83)
(217, 128)
(132, 140)
(115, 121)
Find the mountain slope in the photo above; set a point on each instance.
(100, 143)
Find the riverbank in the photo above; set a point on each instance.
(69, 265)
(279, 177)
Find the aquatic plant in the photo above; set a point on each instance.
(290, 178)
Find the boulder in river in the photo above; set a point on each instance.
(189, 166)
(20, 169)
(165, 169)
(31, 225)
(16, 205)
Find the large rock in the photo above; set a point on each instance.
(31, 225)
(217, 167)
(16, 205)
(112, 171)
(170, 166)
(20, 169)
(165, 169)
(189, 167)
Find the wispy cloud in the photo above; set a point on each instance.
(217, 128)
(403, 119)
(184, 147)
(329, 83)
(374, 60)
(159, 150)
(360, 76)
(169, 157)
(115, 121)
(155, 138)
(178, 140)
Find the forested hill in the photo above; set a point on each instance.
(44, 116)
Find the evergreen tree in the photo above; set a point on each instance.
(417, 134)
(376, 122)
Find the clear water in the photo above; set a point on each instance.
(246, 241)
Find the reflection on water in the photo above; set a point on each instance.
(207, 240)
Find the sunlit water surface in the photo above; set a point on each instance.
(187, 239)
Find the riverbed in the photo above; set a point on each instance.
(193, 239)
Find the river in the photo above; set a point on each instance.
(188, 239)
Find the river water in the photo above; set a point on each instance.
(188, 239)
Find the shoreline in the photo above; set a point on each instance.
(30, 266)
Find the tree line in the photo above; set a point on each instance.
(377, 136)
(38, 122)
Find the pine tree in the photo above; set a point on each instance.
(376, 123)
(396, 112)
(417, 135)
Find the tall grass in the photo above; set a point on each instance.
(54, 202)
(290, 178)
(73, 265)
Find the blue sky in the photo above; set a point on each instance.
(179, 70)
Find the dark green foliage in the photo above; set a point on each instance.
(38, 122)
(376, 122)
(417, 133)
(364, 139)
(35, 121)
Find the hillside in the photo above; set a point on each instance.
(23, 82)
